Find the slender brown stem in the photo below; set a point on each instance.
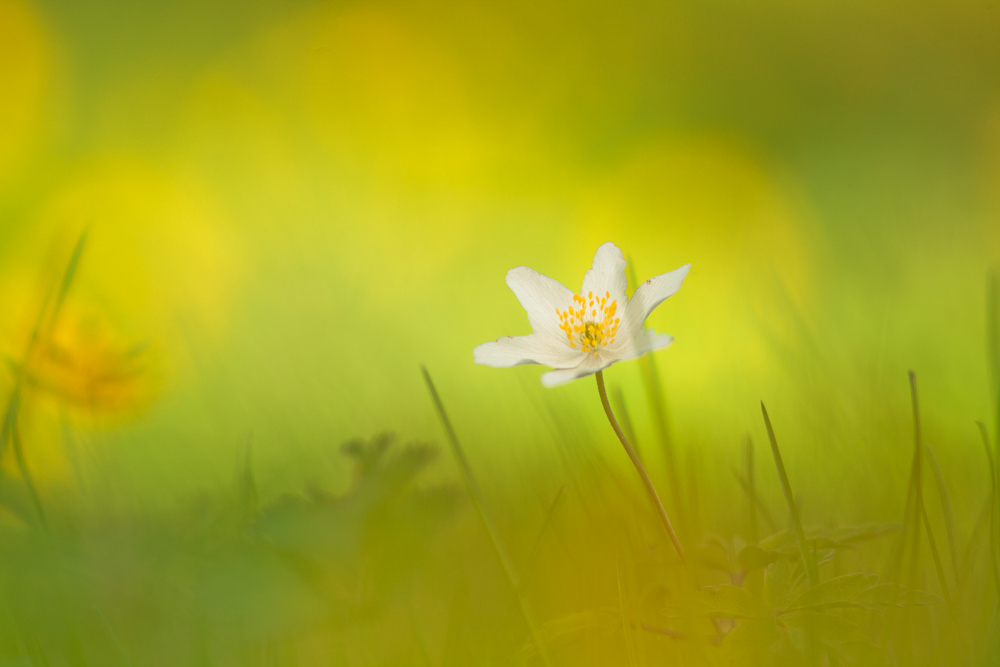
(639, 467)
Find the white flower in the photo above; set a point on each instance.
(580, 334)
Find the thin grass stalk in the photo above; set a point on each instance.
(911, 523)
(559, 437)
(657, 408)
(949, 518)
(692, 510)
(900, 548)
(639, 468)
(993, 360)
(751, 488)
(545, 524)
(472, 486)
(69, 274)
(936, 557)
(993, 507)
(993, 351)
(918, 484)
(44, 325)
(36, 500)
(972, 547)
(800, 537)
(911, 509)
(13, 406)
(761, 507)
(657, 402)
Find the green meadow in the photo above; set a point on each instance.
(247, 250)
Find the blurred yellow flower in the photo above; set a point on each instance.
(164, 260)
(581, 334)
(84, 364)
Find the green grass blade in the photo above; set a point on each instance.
(477, 499)
(911, 508)
(949, 518)
(657, 408)
(751, 488)
(786, 487)
(918, 484)
(26, 476)
(545, 525)
(761, 507)
(10, 414)
(936, 557)
(993, 350)
(972, 547)
(43, 327)
(67, 280)
(993, 507)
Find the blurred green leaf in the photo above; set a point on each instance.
(753, 639)
(712, 555)
(382, 511)
(846, 537)
(831, 631)
(895, 595)
(858, 534)
(777, 584)
(752, 557)
(843, 589)
(571, 628)
(859, 590)
(727, 601)
(245, 588)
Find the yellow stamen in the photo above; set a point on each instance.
(591, 331)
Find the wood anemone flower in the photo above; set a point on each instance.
(581, 334)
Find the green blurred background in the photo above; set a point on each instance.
(292, 205)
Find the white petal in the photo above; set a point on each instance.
(607, 277)
(647, 341)
(532, 349)
(651, 294)
(541, 296)
(590, 364)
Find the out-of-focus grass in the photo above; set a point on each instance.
(293, 205)
(395, 569)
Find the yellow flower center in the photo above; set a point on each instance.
(590, 323)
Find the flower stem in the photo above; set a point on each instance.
(639, 467)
